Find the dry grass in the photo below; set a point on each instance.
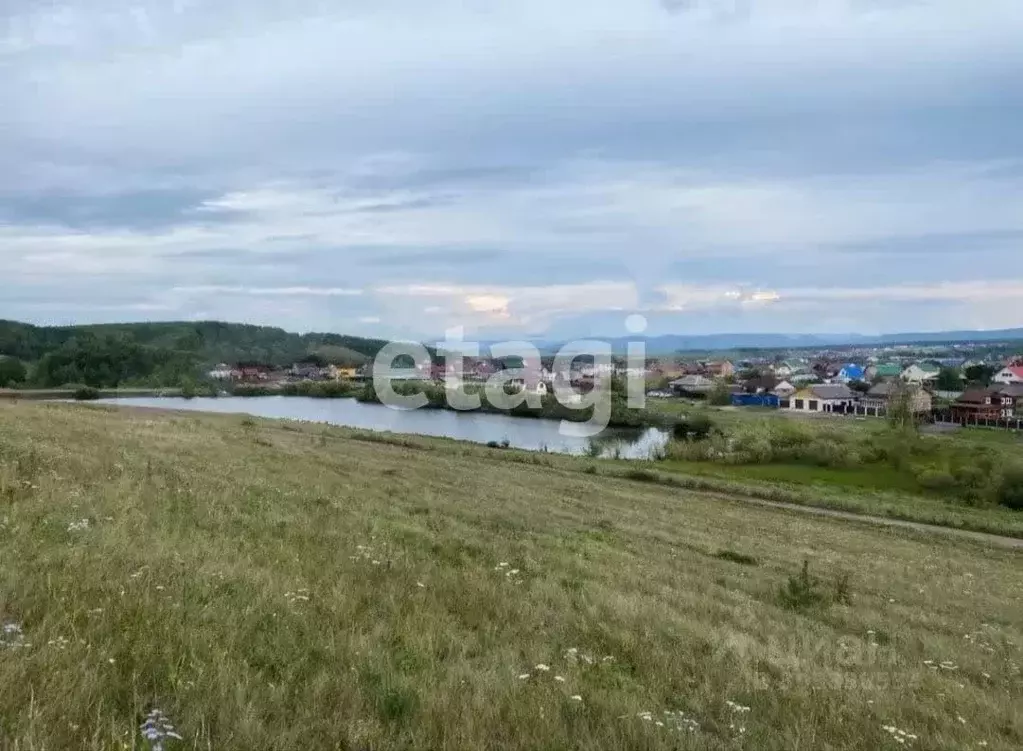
(274, 586)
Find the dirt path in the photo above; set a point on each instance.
(985, 537)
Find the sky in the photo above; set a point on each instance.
(521, 168)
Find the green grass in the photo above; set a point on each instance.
(879, 478)
(278, 585)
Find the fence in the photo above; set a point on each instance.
(755, 400)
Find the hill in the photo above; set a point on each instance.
(276, 585)
(163, 354)
(721, 342)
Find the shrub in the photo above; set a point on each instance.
(641, 475)
(1010, 491)
(843, 589)
(936, 479)
(720, 395)
(801, 590)
(826, 452)
(86, 393)
(973, 484)
(740, 558)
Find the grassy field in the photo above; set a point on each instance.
(972, 469)
(281, 586)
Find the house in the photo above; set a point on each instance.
(692, 384)
(1007, 375)
(884, 371)
(252, 373)
(880, 395)
(307, 371)
(835, 397)
(980, 404)
(850, 372)
(760, 385)
(784, 390)
(222, 372)
(922, 372)
(1012, 397)
(723, 369)
(345, 373)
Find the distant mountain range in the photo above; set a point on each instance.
(720, 342)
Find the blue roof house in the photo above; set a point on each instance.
(850, 372)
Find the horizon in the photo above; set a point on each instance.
(714, 165)
(823, 339)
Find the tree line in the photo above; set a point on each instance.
(157, 354)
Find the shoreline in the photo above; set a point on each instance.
(63, 394)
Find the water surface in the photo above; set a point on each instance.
(520, 432)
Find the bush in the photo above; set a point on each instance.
(695, 427)
(1010, 491)
(641, 475)
(12, 372)
(936, 479)
(801, 590)
(720, 395)
(700, 426)
(826, 452)
(740, 558)
(86, 393)
(843, 589)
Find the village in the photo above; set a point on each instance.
(977, 391)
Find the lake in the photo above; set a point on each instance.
(478, 427)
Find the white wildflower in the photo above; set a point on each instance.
(559, 679)
(158, 729)
(12, 637)
(524, 676)
(576, 697)
(543, 667)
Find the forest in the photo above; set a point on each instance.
(157, 354)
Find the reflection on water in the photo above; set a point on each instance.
(522, 433)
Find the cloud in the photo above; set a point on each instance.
(557, 163)
(212, 289)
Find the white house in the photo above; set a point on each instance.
(834, 397)
(784, 390)
(220, 373)
(920, 373)
(692, 384)
(1009, 375)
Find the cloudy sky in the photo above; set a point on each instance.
(526, 167)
